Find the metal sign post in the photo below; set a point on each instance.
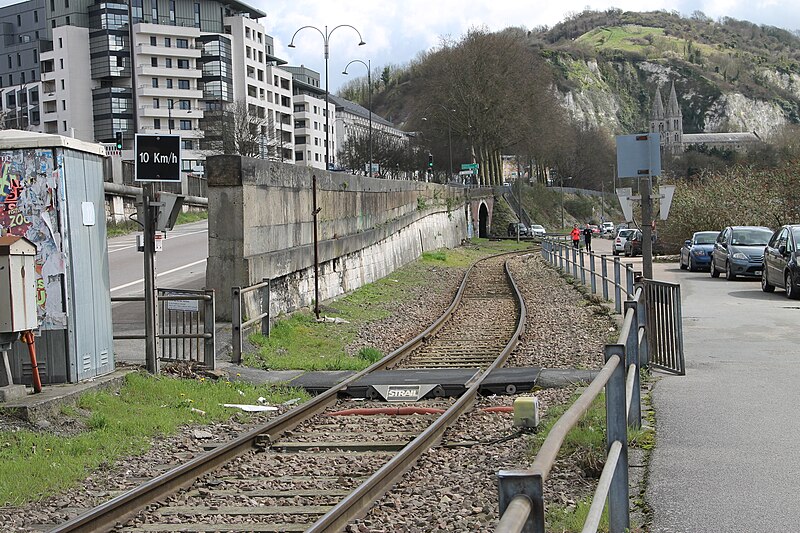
(639, 156)
(157, 159)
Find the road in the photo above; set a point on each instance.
(181, 265)
(727, 433)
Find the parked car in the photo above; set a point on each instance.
(619, 241)
(608, 228)
(595, 229)
(780, 267)
(633, 244)
(537, 230)
(696, 252)
(512, 229)
(739, 251)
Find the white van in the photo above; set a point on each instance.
(607, 228)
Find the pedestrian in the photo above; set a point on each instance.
(587, 237)
(576, 236)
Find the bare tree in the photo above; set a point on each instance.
(237, 129)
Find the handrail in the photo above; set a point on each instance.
(603, 486)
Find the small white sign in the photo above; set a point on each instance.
(87, 210)
(184, 305)
(626, 202)
(666, 200)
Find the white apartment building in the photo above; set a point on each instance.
(309, 119)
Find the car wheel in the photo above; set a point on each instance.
(691, 266)
(714, 271)
(791, 291)
(730, 276)
(683, 267)
(614, 252)
(765, 285)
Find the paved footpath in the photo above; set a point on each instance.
(727, 454)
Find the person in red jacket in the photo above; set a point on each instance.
(576, 236)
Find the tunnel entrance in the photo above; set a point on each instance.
(483, 221)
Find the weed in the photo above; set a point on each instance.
(434, 256)
(370, 354)
(421, 203)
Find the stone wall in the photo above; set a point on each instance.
(261, 226)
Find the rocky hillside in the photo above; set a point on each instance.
(730, 75)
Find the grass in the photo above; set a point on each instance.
(298, 342)
(34, 465)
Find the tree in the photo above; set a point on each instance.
(238, 129)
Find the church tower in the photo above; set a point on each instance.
(674, 122)
(657, 123)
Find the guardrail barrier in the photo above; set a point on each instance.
(254, 298)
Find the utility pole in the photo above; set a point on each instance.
(645, 184)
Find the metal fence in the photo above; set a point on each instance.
(584, 265)
(522, 491)
(248, 301)
(664, 321)
(186, 325)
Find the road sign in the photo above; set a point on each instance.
(639, 156)
(158, 158)
(626, 202)
(469, 166)
(666, 200)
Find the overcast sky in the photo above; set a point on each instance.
(397, 30)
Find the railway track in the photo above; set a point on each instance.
(317, 467)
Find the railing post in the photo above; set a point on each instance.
(574, 262)
(617, 286)
(265, 296)
(210, 344)
(236, 324)
(641, 312)
(561, 257)
(513, 483)
(583, 268)
(617, 430)
(632, 358)
(629, 279)
(592, 280)
(604, 275)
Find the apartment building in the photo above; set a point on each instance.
(309, 119)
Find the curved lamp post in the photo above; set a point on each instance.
(368, 64)
(326, 36)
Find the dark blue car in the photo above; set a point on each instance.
(696, 252)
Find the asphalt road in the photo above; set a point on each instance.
(181, 265)
(728, 433)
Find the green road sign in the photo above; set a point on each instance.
(469, 166)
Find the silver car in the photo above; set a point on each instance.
(621, 239)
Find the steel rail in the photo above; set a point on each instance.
(123, 506)
(358, 502)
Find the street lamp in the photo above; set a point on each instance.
(368, 64)
(449, 134)
(326, 35)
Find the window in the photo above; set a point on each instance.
(184, 104)
(153, 61)
(9, 62)
(187, 144)
(168, 42)
(19, 60)
(155, 83)
(182, 43)
(66, 4)
(52, 5)
(247, 32)
(172, 12)
(61, 63)
(183, 63)
(64, 124)
(22, 77)
(168, 62)
(157, 123)
(171, 124)
(19, 20)
(186, 124)
(36, 16)
(169, 84)
(64, 105)
(153, 41)
(63, 85)
(196, 15)
(35, 56)
(66, 19)
(156, 103)
(183, 84)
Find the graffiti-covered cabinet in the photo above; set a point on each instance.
(51, 192)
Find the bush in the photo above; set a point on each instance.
(579, 207)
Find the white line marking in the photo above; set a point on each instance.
(159, 275)
(175, 236)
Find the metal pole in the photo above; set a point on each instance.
(210, 344)
(562, 201)
(647, 232)
(617, 286)
(327, 126)
(236, 324)
(617, 430)
(150, 297)
(315, 212)
(369, 82)
(450, 144)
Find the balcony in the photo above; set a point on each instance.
(164, 72)
(175, 113)
(150, 50)
(163, 92)
(194, 133)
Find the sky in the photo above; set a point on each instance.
(395, 31)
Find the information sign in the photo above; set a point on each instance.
(158, 158)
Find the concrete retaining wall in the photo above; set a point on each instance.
(261, 226)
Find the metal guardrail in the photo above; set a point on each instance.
(573, 261)
(522, 491)
(239, 306)
(186, 325)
